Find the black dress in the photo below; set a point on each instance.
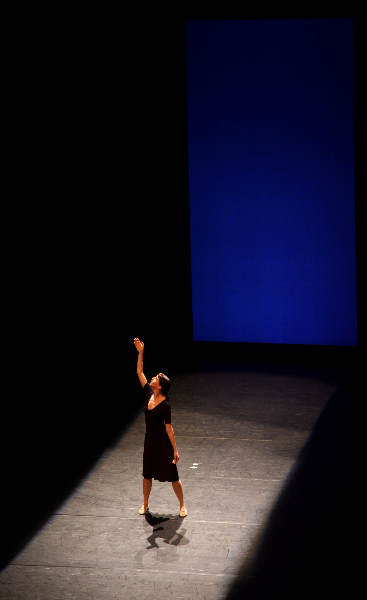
(158, 450)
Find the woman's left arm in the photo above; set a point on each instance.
(171, 436)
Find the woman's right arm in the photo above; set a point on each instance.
(139, 369)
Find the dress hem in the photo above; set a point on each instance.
(161, 480)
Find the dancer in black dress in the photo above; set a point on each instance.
(160, 451)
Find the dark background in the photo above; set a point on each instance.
(100, 253)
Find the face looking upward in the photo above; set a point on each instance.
(155, 383)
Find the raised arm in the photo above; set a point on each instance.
(139, 369)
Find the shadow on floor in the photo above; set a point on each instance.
(166, 527)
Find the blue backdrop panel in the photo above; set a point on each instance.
(271, 180)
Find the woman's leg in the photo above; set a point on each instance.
(147, 486)
(177, 488)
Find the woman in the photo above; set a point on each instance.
(160, 450)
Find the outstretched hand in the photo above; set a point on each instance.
(139, 345)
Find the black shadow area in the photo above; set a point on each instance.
(311, 544)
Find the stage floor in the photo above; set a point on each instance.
(238, 434)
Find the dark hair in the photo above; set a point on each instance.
(165, 383)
